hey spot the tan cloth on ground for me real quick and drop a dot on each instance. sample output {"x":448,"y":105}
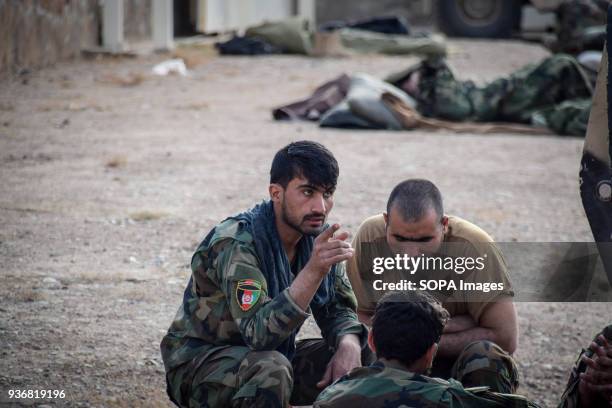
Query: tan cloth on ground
{"x":369,"y":42}
{"x":348,"y":41}
{"x":465,"y":239}
{"x":411,"y":119}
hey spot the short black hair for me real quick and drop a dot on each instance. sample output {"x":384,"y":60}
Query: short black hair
{"x":307,"y":159}
{"x":413,"y":198}
{"x":406,"y":324}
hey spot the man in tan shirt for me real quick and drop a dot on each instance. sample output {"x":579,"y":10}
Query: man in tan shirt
{"x":415,"y":225}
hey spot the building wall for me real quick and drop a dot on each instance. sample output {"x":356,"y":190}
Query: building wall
{"x":37,"y":33}
{"x":137,"y":19}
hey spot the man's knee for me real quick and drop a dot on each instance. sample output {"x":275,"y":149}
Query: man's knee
{"x":235,"y":376}
{"x":485,"y":363}
{"x":266,"y":363}
{"x":265,"y":378}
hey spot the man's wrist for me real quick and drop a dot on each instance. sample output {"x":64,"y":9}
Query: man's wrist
{"x":349,"y":340}
{"x":319,"y":273}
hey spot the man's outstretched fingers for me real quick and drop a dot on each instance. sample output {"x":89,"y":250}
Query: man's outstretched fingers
{"x":601,"y":341}
{"x":342,"y":236}
{"x":341,"y":258}
{"x":327,"y":233}
{"x":602,"y":358}
{"x":332,"y":253}
{"x":597,"y":377}
{"x":333,"y":244}
{"x":590,"y":362}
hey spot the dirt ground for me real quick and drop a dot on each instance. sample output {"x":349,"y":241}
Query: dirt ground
{"x":110,"y":177}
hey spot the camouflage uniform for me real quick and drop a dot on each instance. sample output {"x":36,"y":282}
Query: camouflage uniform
{"x":555,"y":93}
{"x":485,"y":367}
{"x":220,"y":348}
{"x":483,"y":376}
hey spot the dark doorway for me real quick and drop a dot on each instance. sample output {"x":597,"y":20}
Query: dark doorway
{"x":184,"y":18}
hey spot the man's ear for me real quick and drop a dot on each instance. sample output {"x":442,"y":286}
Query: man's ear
{"x":371,"y":342}
{"x":430,"y":354}
{"x":386,"y":217}
{"x":276,"y":192}
{"x":445,"y":223}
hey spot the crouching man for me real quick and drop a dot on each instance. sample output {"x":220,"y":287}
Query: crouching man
{"x":415,"y":225}
{"x":255,"y":278}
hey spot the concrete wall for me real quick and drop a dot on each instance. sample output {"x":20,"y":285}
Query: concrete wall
{"x":37,"y":33}
{"x":137,"y":23}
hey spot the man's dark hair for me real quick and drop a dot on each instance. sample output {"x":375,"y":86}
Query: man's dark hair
{"x":406,"y":324}
{"x":414,"y":198}
{"x":310,"y":160}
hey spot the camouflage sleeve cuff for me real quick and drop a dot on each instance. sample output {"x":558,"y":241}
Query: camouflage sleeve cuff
{"x":359,"y":329}
{"x":294,"y":305}
{"x":272,"y":323}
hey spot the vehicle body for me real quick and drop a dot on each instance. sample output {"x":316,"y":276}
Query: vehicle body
{"x":488,"y":18}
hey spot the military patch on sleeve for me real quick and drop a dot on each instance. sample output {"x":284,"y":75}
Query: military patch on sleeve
{"x":248,"y":292}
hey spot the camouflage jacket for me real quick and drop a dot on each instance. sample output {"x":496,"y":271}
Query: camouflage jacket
{"x":385,"y":384}
{"x":226,"y":303}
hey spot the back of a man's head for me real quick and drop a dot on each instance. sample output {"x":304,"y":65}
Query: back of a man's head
{"x":414,"y":198}
{"x":309,"y":160}
{"x":406,"y":325}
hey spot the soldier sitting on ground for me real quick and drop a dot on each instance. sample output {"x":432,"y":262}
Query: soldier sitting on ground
{"x":406,"y":330}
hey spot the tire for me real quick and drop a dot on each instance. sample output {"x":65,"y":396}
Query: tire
{"x":478,"y":18}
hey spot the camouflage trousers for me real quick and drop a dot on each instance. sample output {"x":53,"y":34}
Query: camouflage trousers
{"x":555,"y":93}
{"x":236,"y":376}
{"x":484,"y":363}
{"x":481,"y":363}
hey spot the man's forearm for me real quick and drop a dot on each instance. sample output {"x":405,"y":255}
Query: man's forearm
{"x":304,"y":286}
{"x":459,"y":323}
{"x":451,"y":344}
{"x":497,"y":323}
{"x":349,"y":340}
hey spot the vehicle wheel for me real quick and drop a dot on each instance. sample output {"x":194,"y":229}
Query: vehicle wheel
{"x":478,"y":18}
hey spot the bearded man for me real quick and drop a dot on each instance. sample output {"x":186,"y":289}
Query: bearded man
{"x":256,"y":277}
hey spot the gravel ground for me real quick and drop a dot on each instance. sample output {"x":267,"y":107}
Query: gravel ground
{"x":110,"y":178}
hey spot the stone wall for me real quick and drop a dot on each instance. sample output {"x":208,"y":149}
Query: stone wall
{"x":37,"y":33}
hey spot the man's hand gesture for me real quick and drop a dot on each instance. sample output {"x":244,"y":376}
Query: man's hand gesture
{"x":329,"y":250}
